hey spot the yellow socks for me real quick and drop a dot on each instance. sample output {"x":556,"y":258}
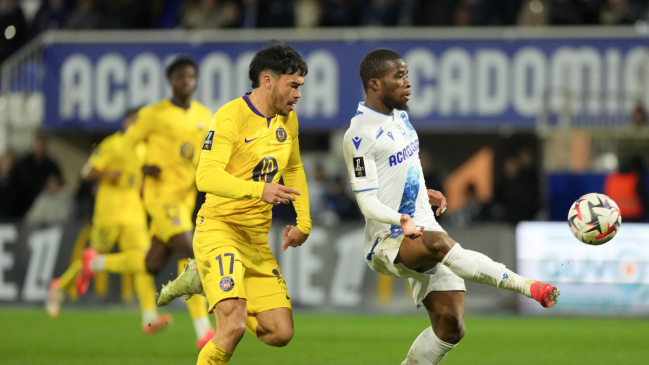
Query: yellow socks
{"x":213,"y":355}
{"x":197,"y":307}
{"x":145,"y":290}
{"x":70,"y":275}
{"x":129,"y":261}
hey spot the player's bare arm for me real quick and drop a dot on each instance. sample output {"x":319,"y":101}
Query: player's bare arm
{"x":436,"y":198}
{"x":151,"y":170}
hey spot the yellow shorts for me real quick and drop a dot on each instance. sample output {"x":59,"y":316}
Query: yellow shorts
{"x":129,"y":237}
{"x":169,"y":219}
{"x":230,"y":268}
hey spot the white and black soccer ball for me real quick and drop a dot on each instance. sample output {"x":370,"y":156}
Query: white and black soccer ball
{"x":594,"y":219}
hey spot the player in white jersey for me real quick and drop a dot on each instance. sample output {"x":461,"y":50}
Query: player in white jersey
{"x":402,"y":237}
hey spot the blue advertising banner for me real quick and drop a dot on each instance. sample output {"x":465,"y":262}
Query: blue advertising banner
{"x":457,"y":83}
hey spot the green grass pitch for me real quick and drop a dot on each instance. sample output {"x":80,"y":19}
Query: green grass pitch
{"x":92,"y":337}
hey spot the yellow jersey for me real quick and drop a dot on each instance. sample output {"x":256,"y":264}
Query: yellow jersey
{"x":174,"y":137}
{"x":244,"y":150}
{"x":118,"y":202}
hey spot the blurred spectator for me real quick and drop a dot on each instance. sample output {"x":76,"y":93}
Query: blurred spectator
{"x":13,"y":27}
{"x":616,"y":12}
{"x":514,"y":200}
{"x":341,"y":13}
{"x":381,"y":13}
{"x":433,"y":176}
{"x":85,"y":16}
{"x":463,"y":16}
{"x":307,"y":13}
{"x":166,"y":13}
{"x":250,"y":14}
{"x":53,"y":14}
{"x":29,"y":176}
{"x":128,"y":14}
{"x":406,"y":12}
{"x":565,"y":12}
{"x":471,"y":212}
{"x":52,"y":206}
{"x":7,"y":164}
{"x":534,"y":13}
{"x":338,"y":206}
{"x":436,"y":12}
{"x":496,"y":12}
{"x":629,"y":189}
{"x":277,"y":14}
{"x":210,"y":14}
{"x":317,"y":191}
{"x":639,"y":116}
{"x":529,"y":179}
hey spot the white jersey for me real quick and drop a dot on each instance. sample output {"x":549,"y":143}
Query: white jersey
{"x":382,"y":152}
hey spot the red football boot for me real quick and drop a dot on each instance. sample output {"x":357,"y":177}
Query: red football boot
{"x":201,"y":342}
{"x":545,"y":294}
{"x":85,"y":275}
{"x":159,"y":324}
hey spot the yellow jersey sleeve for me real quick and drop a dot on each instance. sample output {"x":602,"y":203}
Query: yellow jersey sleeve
{"x":101,"y":156}
{"x":211,"y":176}
{"x":139,"y":130}
{"x":294,"y":177}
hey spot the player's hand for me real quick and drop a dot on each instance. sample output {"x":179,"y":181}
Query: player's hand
{"x":409,"y":228}
{"x":113,"y":175}
{"x":437,"y":199}
{"x":293,"y":237}
{"x":278,"y":194}
{"x":151,"y":170}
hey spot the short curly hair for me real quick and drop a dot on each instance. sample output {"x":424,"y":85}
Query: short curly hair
{"x":375,"y":63}
{"x":278,"y":57}
{"x":179,"y":62}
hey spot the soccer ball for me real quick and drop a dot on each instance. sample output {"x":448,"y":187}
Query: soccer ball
{"x":594,"y":219}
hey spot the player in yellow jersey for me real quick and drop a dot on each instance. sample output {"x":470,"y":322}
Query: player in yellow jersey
{"x":251,"y":144}
{"x":119,"y":217}
{"x":174,"y":130}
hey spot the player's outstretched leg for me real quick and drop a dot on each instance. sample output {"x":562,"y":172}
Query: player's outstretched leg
{"x":433,"y":247}
{"x":446,"y":312}
{"x":187,"y":284}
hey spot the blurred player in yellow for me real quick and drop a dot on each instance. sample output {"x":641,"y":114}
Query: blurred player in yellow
{"x":119,"y":217}
{"x":174,"y":130}
{"x":251,"y":144}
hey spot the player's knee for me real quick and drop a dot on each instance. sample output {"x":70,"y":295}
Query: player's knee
{"x":152,"y":266}
{"x":234,"y":329}
{"x":440,"y":244}
{"x":452,"y":328}
{"x":281,"y":338}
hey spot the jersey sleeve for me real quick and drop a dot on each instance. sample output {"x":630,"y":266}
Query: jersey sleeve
{"x":217,"y":149}
{"x":294,"y":177}
{"x":359,"y":158}
{"x":139,"y":130}
{"x":100,"y":157}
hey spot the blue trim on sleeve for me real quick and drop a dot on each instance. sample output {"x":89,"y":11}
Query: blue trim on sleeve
{"x":357,"y":191}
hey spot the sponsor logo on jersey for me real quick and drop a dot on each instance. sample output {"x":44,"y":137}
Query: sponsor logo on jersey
{"x":403,"y":131}
{"x":505,"y":276}
{"x":209,"y":140}
{"x":357,"y":142}
{"x":359,"y":167}
{"x":187,"y":150}
{"x":358,"y":112}
{"x":227,"y":283}
{"x":379,"y":133}
{"x":249,"y":140}
{"x":280,"y":279}
{"x":406,"y":120}
{"x":281,"y":134}
{"x":389,"y":133}
{"x":403,"y":155}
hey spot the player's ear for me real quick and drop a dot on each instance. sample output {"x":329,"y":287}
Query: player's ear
{"x":267,"y":80}
{"x":375,"y":84}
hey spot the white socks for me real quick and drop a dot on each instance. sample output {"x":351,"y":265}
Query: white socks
{"x":476,"y":267}
{"x":201,"y":326}
{"x":98,"y":264}
{"x":149,"y":316}
{"x":427,"y":349}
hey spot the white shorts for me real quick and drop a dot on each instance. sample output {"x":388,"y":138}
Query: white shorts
{"x":439,"y":278}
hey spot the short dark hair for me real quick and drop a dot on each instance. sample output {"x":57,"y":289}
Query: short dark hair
{"x":131,"y":111}
{"x":179,"y":62}
{"x":375,"y":63}
{"x":277,"y":57}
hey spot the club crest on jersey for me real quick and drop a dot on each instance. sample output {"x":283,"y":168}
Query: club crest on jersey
{"x":389,"y":133}
{"x":209,"y":140}
{"x":187,"y":150}
{"x":357,"y":142}
{"x":359,"y":167}
{"x":227,"y":283}
{"x":379,"y":133}
{"x":281,"y":134}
